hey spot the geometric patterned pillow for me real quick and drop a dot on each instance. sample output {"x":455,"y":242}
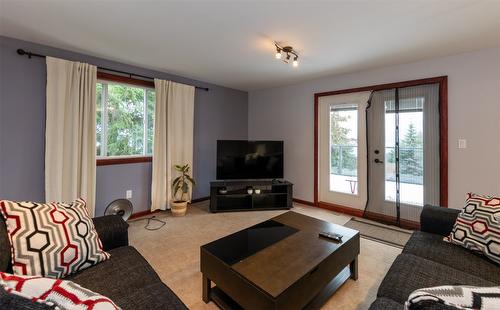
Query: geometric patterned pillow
{"x":51,"y":239}
{"x":62,"y":294}
{"x":477,"y":226}
{"x":460,"y":297}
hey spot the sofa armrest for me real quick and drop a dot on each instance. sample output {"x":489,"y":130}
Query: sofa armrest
{"x":112,"y":230}
{"x":438,"y":220}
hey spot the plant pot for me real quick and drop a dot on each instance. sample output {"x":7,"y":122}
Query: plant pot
{"x":178,"y":208}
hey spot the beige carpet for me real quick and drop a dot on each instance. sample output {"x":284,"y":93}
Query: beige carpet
{"x":174,"y":252}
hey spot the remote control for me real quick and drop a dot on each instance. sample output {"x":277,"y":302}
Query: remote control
{"x":332,"y":236}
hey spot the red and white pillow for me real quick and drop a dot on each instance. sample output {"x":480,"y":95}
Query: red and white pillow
{"x":55,"y":292}
{"x":477,"y":227}
{"x":51,"y":239}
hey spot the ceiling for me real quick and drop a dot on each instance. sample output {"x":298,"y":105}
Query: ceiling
{"x":230,"y":43}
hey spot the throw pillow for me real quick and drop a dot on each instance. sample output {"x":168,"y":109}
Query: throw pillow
{"x":51,"y":239}
{"x":55,"y":292}
{"x":460,"y":297}
{"x":478,"y":226}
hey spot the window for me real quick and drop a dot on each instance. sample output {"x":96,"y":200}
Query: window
{"x":344,"y":149}
{"x":124,"y":120}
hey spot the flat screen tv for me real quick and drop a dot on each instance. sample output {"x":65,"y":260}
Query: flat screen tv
{"x":241,"y":159}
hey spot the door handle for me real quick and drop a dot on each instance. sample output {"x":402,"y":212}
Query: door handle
{"x":378,"y":161}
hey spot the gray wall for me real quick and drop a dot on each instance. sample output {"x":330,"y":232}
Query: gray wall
{"x":221,"y":113}
{"x":474,"y":109}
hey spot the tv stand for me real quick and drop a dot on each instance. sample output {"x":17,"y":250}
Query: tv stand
{"x":274,"y":195}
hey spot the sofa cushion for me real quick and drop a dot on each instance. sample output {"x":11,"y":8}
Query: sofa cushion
{"x":128,"y":280}
{"x":51,"y":239}
{"x":432,"y":247}
{"x":478,"y":226}
{"x":409,"y":273}
{"x":383,"y":303}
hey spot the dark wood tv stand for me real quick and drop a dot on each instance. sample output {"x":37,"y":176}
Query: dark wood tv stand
{"x":273,"y":195}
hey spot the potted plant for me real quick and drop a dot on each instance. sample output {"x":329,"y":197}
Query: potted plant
{"x":180,"y":185}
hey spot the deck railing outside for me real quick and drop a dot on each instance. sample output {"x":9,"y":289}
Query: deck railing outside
{"x":344,"y":163}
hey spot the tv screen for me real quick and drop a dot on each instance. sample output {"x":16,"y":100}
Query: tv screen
{"x":241,"y":159}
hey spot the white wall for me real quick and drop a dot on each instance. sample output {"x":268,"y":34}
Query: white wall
{"x":473,"y":111}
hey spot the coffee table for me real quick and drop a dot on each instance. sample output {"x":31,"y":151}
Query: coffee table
{"x":281,"y":263}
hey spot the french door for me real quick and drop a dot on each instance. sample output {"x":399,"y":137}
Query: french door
{"x":379,"y":151}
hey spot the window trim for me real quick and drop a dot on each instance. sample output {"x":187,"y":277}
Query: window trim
{"x":123,"y":160}
{"x":130,"y":159}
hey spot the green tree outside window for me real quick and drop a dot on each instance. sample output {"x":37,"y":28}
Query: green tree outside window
{"x":128,"y":125}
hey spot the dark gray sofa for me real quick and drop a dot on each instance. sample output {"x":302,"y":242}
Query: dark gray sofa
{"x":126,"y":278}
{"x":428,"y":261}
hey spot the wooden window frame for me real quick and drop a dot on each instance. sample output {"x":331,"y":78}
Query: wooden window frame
{"x":125,"y":159}
{"x":443,"y":133}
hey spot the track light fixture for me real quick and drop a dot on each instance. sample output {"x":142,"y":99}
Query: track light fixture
{"x":285,"y":53}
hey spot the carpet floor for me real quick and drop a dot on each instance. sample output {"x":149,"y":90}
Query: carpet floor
{"x":174,"y":252}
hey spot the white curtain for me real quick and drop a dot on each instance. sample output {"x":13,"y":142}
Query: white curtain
{"x":70,"y":153}
{"x":173,"y":137}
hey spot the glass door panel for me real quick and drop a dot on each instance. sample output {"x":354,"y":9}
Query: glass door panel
{"x":344,"y":149}
{"x":411,"y":164}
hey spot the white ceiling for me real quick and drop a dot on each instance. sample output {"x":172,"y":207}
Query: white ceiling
{"x":231,"y":42}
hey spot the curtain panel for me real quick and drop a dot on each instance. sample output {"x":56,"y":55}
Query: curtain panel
{"x":70,"y":153}
{"x":173,"y":138}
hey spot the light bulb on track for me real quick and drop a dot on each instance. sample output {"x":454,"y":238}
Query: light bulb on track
{"x":278,"y":53}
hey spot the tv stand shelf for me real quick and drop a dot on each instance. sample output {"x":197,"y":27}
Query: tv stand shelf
{"x":274,"y":195}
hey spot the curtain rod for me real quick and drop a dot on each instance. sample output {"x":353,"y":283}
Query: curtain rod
{"x":30,"y":54}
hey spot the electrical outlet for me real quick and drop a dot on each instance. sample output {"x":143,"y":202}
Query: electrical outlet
{"x":462,"y":143}
{"x":128,"y":194}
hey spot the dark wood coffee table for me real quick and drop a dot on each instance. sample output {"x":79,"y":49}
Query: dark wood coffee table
{"x":281,"y":263}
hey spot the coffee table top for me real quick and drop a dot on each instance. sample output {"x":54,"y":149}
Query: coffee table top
{"x":276,"y":253}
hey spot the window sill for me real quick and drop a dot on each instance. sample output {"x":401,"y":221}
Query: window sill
{"x":123,"y":160}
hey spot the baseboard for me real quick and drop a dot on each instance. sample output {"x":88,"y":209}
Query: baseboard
{"x":340,"y":209}
{"x":200,"y":199}
{"x":147,"y":212}
{"x":304,"y":202}
{"x":331,"y":207}
{"x":142,"y":213}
